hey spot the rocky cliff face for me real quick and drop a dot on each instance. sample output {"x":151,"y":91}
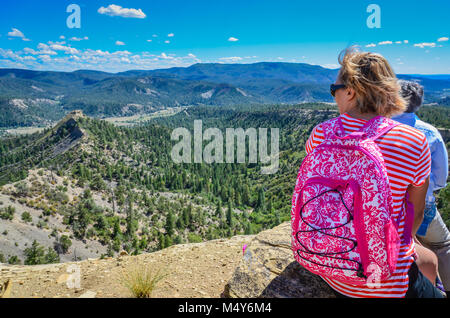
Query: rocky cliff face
{"x":268,"y":269}
{"x":217,"y":268}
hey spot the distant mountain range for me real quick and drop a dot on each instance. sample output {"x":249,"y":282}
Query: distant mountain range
{"x":38,"y":97}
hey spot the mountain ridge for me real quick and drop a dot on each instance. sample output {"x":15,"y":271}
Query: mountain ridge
{"x":29,"y":97}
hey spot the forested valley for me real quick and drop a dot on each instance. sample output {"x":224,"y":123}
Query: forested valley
{"x":107,"y":189}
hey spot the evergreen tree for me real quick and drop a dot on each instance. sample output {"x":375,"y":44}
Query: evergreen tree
{"x":248,"y":229}
{"x":230,"y":215}
{"x":180,"y":223}
{"x":34,"y":254}
{"x":168,"y":241}
{"x":51,"y":256}
{"x":170,"y":224}
{"x":260,"y":204}
{"x":246,"y":195}
{"x":130,"y":219}
{"x":161,"y":241}
{"x":187,"y":214}
{"x":116,"y":234}
{"x":218,"y":212}
{"x":64,"y":243}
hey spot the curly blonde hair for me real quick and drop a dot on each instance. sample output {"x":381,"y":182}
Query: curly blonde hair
{"x":374,"y":82}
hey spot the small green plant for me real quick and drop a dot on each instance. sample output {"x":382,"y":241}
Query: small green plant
{"x":7,"y":213}
{"x":26,"y":216}
{"x":14,"y":260}
{"x":141,"y":280}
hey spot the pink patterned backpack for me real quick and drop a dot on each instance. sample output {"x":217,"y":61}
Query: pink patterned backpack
{"x":341,"y":216}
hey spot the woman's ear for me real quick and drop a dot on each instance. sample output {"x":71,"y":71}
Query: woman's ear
{"x":351,"y":94}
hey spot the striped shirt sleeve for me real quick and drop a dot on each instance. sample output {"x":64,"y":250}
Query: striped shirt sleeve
{"x":314,"y":139}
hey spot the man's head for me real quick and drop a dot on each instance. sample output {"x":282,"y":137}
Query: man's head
{"x":412,"y":92}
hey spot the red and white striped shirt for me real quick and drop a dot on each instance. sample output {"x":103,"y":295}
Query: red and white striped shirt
{"x":408,"y":161}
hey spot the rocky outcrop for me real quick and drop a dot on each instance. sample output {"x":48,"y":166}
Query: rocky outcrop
{"x":70,"y":132}
{"x":194,"y":270}
{"x":268,"y":269}
{"x":202,"y":270}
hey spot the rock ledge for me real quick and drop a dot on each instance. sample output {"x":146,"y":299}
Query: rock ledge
{"x":268,"y":269}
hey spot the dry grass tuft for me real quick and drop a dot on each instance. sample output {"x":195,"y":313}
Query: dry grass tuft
{"x":141,"y":280}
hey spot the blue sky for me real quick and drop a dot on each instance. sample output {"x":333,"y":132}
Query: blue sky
{"x":121,"y":35}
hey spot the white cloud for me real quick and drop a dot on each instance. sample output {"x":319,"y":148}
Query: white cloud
{"x":443,"y":39}
{"x":398,"y":42}
{"x":193,"y":58}
{"x":385,"y":43}
{"x":405,"y":41}
{"x":167,"y":41}
{"x":330,"y":66}
{"x":45,"y":58}
{"x":117,"y":11}
{"x":126,"y":53}
{"x":232,"y":39}
{"x":371,"y":45}
{"x":43,"y":46}
{"x":423,"y":45}
{"x":149,"y":40}
{"x":9,"y":54}
{"x":79,"y":39}
{"x":62,"y":37}
{"x":29,"y":58}
{"x":170,"y":35}
{"x":59,"y":43}
{"x":231,"y":59}
{"x":65,"y":49}
{"x":45,"y":51}
{"x":119,"y":43}
{"x":16,"y":33}
{"x":166,"y":57}
{"x":27,"y":50}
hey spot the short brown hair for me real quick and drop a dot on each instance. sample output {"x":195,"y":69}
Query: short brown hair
{"x":373,"y":80}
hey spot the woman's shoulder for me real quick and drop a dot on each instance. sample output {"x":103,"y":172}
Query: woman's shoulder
{"x":412,"y":134}
{"x":332,"y":121}
{"x":431,"y":132}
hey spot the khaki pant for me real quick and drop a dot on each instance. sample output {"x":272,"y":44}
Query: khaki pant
{"x":437,"y":239}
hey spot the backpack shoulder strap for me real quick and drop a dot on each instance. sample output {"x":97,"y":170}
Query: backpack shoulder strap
{"x":332,"y":128}
{"x":378,"y":126}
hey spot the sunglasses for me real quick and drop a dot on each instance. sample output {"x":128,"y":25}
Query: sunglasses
{"x":334,"y":88}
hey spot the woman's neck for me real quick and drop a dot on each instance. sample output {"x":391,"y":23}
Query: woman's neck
{"x":356,"y":114}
